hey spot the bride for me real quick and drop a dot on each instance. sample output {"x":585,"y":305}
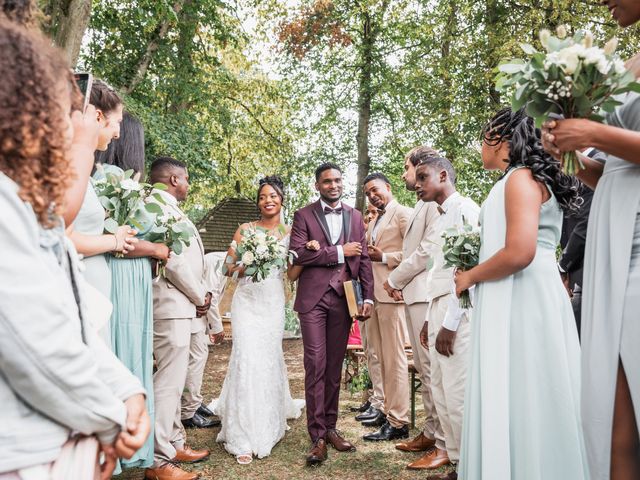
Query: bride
{"x":255,"y":402}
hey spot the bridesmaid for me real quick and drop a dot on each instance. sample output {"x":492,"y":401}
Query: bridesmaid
{"x":522,"y":416}
{"x":87,"y":230}
{"x":611,"y":294}
{"x":131,"y":287}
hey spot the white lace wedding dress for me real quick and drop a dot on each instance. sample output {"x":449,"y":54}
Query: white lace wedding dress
{"x":255,"y":402}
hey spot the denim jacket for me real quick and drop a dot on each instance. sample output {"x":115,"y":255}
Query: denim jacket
{"x":56,"y":375}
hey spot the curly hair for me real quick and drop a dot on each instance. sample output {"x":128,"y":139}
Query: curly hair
{"x":274,"y":182}
{"x":33,"y":136}
{"x":22,"y":12}
{"x":525,"y":149}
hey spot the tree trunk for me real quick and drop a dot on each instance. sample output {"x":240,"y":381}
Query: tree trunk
{"x":67,"y":22}
{"x":152,"y":47}
{"x":364,"y":108}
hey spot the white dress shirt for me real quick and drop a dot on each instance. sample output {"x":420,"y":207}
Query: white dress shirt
{"x":334,"y":222}
{"x":374,"y":234}
{"x":455,"y":211}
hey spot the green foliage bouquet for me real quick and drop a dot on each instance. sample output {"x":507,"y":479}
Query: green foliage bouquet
{"x":461,"y":250}
{"x":259,"y":252}
{"x":573,"y":78}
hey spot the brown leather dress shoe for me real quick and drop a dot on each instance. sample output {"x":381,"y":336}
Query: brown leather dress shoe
{"x":188,"y":455}
{"x":433,"y":459}
{"x":418,"y":444}
{"x":444,"y":476}
{"x":169,"y":472}
{"x":338,"y":442}
{"x":317,"y":454}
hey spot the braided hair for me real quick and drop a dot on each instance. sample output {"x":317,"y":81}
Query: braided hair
{"x":275,"y":182}
{"x":525,"y":150}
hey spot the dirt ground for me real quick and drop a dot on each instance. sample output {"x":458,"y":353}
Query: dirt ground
{"x":371,"y":461}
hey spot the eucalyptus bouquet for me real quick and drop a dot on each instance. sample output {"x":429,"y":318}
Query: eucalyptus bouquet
{"x":259,"y":252}
{"x":125,"y":198}
{"x":572,"y":78}
{"x":461,"y":250}
{"x":176,"y":233}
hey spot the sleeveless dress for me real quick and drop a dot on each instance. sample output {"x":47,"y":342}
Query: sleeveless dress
{"x":90,"y":221}
{"x":255,"y":402}
{"x":611,"y":295}
{"x":522,"y":416}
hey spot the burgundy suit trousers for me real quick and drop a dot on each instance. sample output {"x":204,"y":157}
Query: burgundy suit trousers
{"x":325,"y":331}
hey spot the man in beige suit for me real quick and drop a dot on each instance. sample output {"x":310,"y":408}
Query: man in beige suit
{"x":194,"y":413}
{"x":180,"y":298}
{"x":386,"y":329}
{"x":408,"y":282}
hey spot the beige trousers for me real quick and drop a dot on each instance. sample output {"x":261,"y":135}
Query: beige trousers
{"x":374,"y":367}
{"x":198,"y":354}
{"x":416,"y":315}
{"x":171,"y":342}
{"x":448,"y":377}
{"x":387,"y":331}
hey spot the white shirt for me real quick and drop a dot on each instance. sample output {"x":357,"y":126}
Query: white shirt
{"x":376,"y":228}
{"x":457,"y":210}
{"x":334,"y":222}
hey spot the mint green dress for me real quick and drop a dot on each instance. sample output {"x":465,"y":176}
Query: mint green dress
{"x":522,"y":400}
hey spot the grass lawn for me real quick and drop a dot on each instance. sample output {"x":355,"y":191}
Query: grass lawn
{"x":371,"y":461}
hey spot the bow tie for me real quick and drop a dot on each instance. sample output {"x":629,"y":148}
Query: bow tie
{"x":329,"y":210}
{"x":381,"y":212}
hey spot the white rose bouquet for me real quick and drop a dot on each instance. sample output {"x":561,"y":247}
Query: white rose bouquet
{"x":573,"y":78}
{"x":461,"y":250}
{"x":259,"y":252}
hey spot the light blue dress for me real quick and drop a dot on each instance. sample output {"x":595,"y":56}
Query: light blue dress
{"x":90,"y":221}
{"x":611,"y":295}
{"x":522,"y":415}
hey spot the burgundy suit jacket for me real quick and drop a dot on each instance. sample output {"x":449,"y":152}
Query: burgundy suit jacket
{"x":309,"y":223}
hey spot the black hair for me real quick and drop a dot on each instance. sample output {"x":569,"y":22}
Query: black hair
{"x":417,"y":154}
{"x":126,"y":152}
{"x":376,"y":176}
{"x":525,"y":149}
{"x":161,"y":166}
{"x":326,"y":166}
{"x":104,"y":97}
{"x":275,"y":182}
{"x":440,"y":163}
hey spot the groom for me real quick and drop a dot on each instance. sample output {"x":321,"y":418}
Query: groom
{"x":321,"y":304}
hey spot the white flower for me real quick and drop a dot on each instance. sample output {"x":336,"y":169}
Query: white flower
{"x":611,"y":46}
{"x":561,"y":31}
{"x":545,"y":35}
{"x":261,"y":251}
{"x":570,"y":57}
{"x":248,"y":258}
{"x":603,"y":66}
{"x":130,"y":184}
{"x":593,"y":55}
{"x":619,"y":67}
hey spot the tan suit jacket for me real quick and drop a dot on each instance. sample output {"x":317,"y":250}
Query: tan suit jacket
{"x":184,"y":287}
{"x":392,"y":227}
{"x":411,"y":275}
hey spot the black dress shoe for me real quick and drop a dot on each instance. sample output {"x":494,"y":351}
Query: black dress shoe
{"x":376,"y":421}
{"x":362,"y":408}
{"x":387,"y":432}
{"x":368,"y":414}
{"x":204,"y":411}
{"x":198,"y":421}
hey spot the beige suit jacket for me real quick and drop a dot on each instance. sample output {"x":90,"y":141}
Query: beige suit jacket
{"x":184,"y":287}
{"x":391,"y":230}
{"x":411,"y":275}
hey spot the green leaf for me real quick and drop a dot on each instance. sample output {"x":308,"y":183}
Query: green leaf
{"x":111,"y":226}
{"x":153,"y":208}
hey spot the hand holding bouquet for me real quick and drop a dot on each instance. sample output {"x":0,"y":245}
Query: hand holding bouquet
{"x":461,"y":250}
{"x":259,"y":252}
{"x":572,"y":79}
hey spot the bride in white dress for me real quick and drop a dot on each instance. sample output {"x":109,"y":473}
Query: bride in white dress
{"x":255,"y":402}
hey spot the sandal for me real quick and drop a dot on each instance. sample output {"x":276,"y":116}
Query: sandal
{"x":244,"y":459}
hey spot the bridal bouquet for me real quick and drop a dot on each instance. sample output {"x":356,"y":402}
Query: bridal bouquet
{"x":259,"y":252}
{"x":462,"y":251}
{"x":572,"y":78}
